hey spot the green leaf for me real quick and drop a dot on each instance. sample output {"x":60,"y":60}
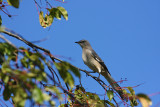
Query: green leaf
{"x":5,"y":79}
{"x":63,"y":105}
{"x":63,"y":68}
{"x":132,"y":97}
{"x":144,"y":99}
{"x":6,"y":68}
{"x":111,"y":104}
{"x":110,"y":94}
{"x":14,"y":3}
{"x":0,"y":21}
{"x":31,"y":75}
{"x":54,"y":12}
{"x":75,"y":71}
{"x":24,"y":62}
{"x":57,"y":12}
{"x":69,"y":80}
{"x":2,"y":28}
{"x":37,"y":95}
{"x":6,"y":93}
{"x":131,"y":90}
{"x":52,"y":103}
{"x":63,"y":12}
{"x":46,"y":97}
{"x":19,"y":97}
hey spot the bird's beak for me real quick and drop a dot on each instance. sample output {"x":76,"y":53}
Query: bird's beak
{"x":77,"y":42}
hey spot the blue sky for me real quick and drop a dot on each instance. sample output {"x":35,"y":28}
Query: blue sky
{"x":125,"y":34}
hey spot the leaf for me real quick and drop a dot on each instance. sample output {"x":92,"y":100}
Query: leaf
{"x":131,"y":90}
{"x":37,"y":95}
{"x":111,"y":104}
{"x":5,"y":78}
{"x":75,"y":71}
{"x":46,"y":97}
{"x":14,"y":3}
{"x":63,"y":68}
{"x":110,"y":94}
{"x":52,"y":103}
{"x":6,"y":93}
{"x":54,"y":12}
{"x":24,"y":62}
{"x":2,"y":28}
{"x":57,"y":12}
{"x":6,"y":68}
{"x":19,"y":97}
{"x":144,"y":99}
{"x":132,"y":97}
{"x":63,"y":12}
{"x":45,"y":21}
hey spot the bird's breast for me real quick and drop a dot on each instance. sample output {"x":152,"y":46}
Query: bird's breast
{"x":90,"y":61}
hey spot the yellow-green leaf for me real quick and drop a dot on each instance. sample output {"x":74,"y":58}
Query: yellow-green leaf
{"x":75,"y":71}
{"x":110,"y":94}
{"x":14,"y":3}
{"x":37,"y":95}
{"x":111,"y":104}
{"x":131,"y":90}
{"x":63,"y":12}
{"x":45,"y":21}
{"x":144,"y":99}
{"x":63,"y":68}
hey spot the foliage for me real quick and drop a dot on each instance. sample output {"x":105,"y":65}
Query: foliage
{"x":45,"y":20}
{"x":14,"y":3}
{"x":54,"y":13}
{"x":144,"y":99}
{"x":34,"y":74}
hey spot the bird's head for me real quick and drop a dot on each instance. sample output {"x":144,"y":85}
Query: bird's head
{"x":84,"y":43}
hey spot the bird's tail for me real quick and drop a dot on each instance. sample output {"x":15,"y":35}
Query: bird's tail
{"x":114,"y":85}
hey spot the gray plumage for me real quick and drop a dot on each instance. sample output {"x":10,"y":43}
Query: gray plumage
{"x":94,"y":62}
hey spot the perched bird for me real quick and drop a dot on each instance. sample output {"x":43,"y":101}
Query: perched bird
{"x":95,"y":63}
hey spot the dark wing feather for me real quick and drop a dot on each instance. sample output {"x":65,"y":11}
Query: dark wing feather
{"x":97,"y":58}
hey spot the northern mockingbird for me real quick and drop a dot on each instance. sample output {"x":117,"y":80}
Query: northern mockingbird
{"x":95,"y":63}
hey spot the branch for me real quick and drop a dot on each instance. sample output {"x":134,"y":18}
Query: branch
{"x":51,"y":56}
{"x":104,"y":86}
{"x":2,"y":37}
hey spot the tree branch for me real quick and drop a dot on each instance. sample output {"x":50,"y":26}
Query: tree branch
{"x":104,"y":86}
{"x":9,"y":42}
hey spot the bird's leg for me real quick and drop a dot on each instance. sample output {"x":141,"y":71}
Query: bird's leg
{"x":98,"y":76}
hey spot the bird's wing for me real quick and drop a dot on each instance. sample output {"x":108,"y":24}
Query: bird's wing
{"x":98,"y":59}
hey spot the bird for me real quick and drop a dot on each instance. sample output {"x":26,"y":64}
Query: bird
{"x":95,"y":63}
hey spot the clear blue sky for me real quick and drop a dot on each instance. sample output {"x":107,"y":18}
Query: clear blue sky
{"x":125,"y":34}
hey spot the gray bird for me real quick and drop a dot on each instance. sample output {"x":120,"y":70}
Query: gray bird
{"x":95,"y":63}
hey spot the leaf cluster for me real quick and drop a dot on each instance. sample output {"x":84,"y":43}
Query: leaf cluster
{"x":45,"y":20}
{"x":19,"y":71}
{"x":53,"y":13}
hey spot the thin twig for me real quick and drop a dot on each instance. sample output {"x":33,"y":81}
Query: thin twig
{"x":9,"y":42}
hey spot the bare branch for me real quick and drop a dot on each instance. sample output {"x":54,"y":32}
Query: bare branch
{"x":9,"y":42}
